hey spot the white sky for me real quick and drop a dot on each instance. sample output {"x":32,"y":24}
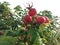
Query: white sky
{"x":51,"y":5}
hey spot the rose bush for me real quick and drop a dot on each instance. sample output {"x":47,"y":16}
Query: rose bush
{"x":26,"y":27}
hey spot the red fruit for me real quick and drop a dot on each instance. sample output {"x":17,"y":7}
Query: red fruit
{"x":40,"y":19}
{"x":27,"y":19}
{"x":1,"y":33}
{"x":46,"y":19}
{"x":32,"y":12}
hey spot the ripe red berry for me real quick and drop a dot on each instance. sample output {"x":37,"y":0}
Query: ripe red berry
{"x":40,"y":19}
{"x":32,"y":12}
{"x":27,"y":19}
{"x":46,"y":19}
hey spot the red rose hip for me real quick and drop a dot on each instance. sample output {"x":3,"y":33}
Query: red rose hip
{"x":27,"y":19}
{"x":40,"y":19}
{"x":46,"y":19}
{"x":32,"y":12}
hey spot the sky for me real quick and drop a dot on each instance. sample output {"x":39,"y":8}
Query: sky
{"x":40,"y":5}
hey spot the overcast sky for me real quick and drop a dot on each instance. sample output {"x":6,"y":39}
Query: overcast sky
{"x":51,"y":5}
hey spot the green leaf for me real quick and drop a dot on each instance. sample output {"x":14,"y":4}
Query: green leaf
{"x":7,"y":40}
{"x":38,"y":41}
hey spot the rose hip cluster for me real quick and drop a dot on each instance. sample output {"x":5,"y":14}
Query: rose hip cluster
{"x":33,"y":17}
